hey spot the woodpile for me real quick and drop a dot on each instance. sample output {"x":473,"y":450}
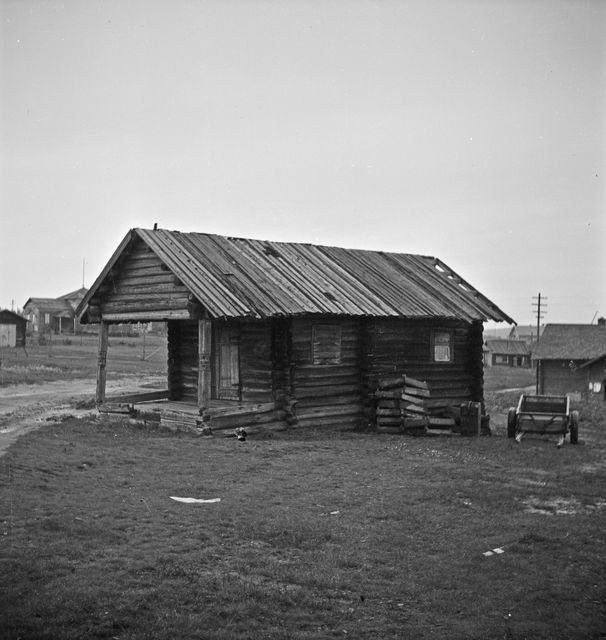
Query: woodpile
{"x":400,"y":405}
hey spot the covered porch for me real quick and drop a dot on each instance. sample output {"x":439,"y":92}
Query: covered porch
{"x":205,"y":390}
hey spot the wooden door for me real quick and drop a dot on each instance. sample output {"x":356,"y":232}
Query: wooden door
{"x":227,"y":365}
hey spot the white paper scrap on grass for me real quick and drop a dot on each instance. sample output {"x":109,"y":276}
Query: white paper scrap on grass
{"x":195,"y":500}
{"x":493,"y":552}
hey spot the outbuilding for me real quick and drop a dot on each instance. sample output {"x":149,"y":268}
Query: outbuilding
{"x":509,"y":353}
{"x":292,"y":333}
{"x":571,"y":359}
{"x":12,"y":329}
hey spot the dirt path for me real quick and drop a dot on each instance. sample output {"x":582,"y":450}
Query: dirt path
{"x":27,"y":407}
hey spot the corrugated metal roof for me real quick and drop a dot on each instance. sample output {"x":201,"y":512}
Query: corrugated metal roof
{"x":238,"y":277}
{"x":571,"y":342}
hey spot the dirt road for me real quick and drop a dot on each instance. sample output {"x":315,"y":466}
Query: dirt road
{"x":29,"y":406}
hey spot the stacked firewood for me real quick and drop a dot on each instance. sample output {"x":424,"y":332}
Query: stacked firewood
{"x":400,"y":405}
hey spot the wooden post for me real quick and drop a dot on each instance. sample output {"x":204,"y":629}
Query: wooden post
{"x":102,"y":363}
{"x":204,"y":341}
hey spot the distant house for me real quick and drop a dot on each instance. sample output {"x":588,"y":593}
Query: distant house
{"x":12,"y":329}
{"x":526,"y":333}
{"x":571,"y":358}
{"x":509,"y":353}
{"x":54,"y":315}
{"x":296,"y":332}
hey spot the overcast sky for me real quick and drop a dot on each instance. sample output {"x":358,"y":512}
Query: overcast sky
{"x":473,"y":131}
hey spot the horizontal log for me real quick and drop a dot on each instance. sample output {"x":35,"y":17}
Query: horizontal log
{"x":233,"y":410}
{"x":313,"y":401}
{"x":326,"y":390}
{"x":140,"y":397}
{"x":146,"y":316}
{"x":347,"y":410}
{"x":171,"y":302}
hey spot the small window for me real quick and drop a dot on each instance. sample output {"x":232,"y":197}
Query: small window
{"x":441,"y":346}
{"x":326,"y":344}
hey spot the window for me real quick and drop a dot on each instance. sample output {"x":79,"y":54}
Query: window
{"x":326,"y":344}
{"x":441,"y":346}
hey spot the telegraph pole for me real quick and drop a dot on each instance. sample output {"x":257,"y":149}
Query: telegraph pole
{"x":538,"y":306}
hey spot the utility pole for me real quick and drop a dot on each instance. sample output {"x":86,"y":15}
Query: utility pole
{"x":538,"y":306}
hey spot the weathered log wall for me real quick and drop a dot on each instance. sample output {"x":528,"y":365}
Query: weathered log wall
{"x":330,"y":393}
{"x":255,"y":348}
{"x":139,"y":283}
{"x":396,"y":347}
{"x":256,"y":361}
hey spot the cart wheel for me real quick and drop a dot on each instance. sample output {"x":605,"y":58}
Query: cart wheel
{"x":511,"y":423}
{"x":574,"y":427}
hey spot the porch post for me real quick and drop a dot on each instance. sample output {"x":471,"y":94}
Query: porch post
{"x":204,"y":340}
{"x":102,"y":363}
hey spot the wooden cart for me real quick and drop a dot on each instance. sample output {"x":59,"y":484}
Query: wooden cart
{"x":544,"y":415}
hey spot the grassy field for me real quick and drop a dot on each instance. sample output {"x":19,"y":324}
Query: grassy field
{"x":317,"y":535}
{"x":69,"y":357}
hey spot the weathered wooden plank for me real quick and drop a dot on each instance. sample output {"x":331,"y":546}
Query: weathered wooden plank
{"x":412,"y":382}
{"x":102,"y":363}
{"x":412,"y":399}
{"x":141,"y":316}
{"x":140,"y":397}
{"x":204,"y":369}
{"x":414,"y":408}
{"x":412,"y":391}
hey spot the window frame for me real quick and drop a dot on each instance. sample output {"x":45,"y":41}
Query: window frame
{"x":449,"y":344}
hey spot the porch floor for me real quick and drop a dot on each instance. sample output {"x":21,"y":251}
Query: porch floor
{"x":185,"y":415}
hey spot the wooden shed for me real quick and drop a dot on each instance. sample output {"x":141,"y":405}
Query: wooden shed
{"x":292,"y":333}
{"x":571,"y":359}
{"x":12,"y":329}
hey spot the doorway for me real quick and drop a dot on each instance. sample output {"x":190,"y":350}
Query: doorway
{"x":227,"y":363}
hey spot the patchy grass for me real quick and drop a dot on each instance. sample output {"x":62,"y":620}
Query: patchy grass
{"x":317,"y":535}
{"x":501,"y":377}
{"x":76,"y":357}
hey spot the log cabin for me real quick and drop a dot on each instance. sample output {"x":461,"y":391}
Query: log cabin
{"x":282,"y":333}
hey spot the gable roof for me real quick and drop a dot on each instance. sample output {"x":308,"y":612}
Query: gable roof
{"x":54,"y":306}
{"x":238,"y":277}
{"x":508,"y":347}
{"x":571,"y":342}
{"x":74,"y":295}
